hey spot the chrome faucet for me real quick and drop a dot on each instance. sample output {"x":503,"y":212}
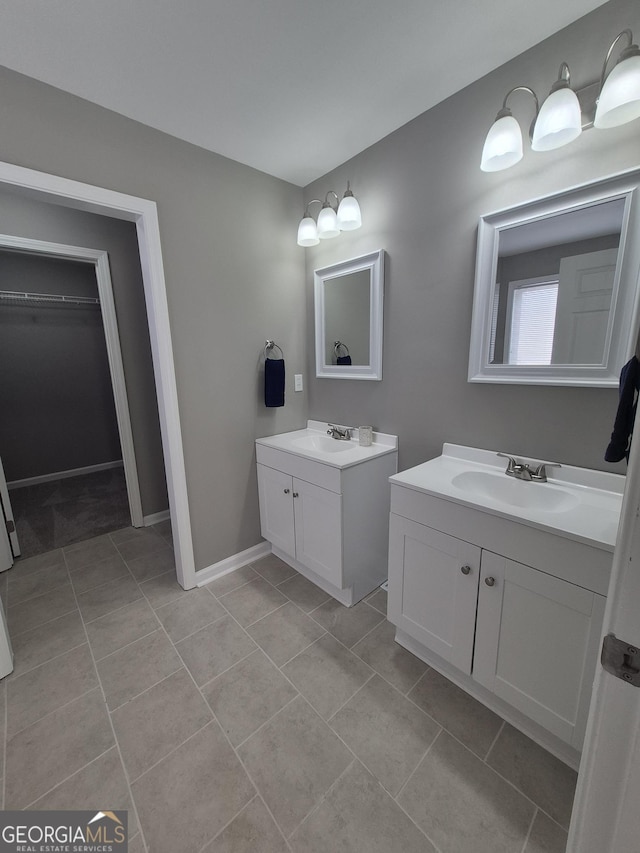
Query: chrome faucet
{"x":339,"y":433}
{"x":523,"y":471}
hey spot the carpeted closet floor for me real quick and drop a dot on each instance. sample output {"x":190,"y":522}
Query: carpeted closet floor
{"x":62,"y":512}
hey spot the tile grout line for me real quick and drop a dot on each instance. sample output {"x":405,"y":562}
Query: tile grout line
{"x":322,"y":799}
{"x":217,"y":722}
{"x":59,"y":708}
{"x":494,"y":741}
{"x":70,"y":776}
{"x":530,"y":830}
{"x":411,"y":775}
{"x":11,"y":678}
{"x":126,"y":646}
{"x":113,"y":731}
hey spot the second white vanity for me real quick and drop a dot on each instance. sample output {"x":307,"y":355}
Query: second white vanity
{"x":324,"y":506}
{"x":500,"y":584}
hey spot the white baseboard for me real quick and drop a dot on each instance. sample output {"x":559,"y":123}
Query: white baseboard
{"x":230,"y":564}
{"x":156,"y":517}
{"x":63,"y":475}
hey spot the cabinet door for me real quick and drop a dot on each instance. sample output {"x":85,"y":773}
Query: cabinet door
{"x":537,"y":644}
{"x":318,"y":530}
{"x":275,"y":491}
{"x":433,"y":589}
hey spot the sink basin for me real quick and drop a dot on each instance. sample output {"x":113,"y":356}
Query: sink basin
{"x":323,"y":444}
{"x":513,"y":492}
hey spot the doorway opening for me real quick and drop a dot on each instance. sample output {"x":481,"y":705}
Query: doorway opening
{"x":142,"y":212}
{"x":67,"y":437}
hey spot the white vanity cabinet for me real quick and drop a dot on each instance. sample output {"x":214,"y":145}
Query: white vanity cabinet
{"x":510,"y":611}
{"x":302,"y":520}
{"x":326,"y":513}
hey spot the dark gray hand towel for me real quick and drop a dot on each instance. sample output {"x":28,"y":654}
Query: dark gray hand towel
{"x":618,"y":448}
{"x":274,"y":382}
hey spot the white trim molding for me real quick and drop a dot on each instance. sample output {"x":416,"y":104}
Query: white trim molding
{"x":230,"y":564}
{"x":63,"y":475}
{"x":156,"y":518}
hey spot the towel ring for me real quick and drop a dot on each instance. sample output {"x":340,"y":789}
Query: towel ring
{"x":336,"y":347}
{"x":271,"y":345}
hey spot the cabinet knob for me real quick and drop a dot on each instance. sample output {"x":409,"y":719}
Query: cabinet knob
{"x":295,"y":494}
{"x":490,"y":581}
{"x":286,"y":491}
{"x":466,"y":570}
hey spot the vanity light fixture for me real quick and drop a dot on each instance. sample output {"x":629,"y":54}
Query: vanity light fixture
{"x":332,"y":219}
{"x":619,"y":100}
{"x":566,"y":113}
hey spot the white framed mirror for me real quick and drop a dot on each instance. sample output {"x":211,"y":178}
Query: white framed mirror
{"x":556,"y":287}
{"x":349,"y":299}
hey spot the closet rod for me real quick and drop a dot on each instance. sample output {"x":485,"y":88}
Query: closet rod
{"x":52,"y":298}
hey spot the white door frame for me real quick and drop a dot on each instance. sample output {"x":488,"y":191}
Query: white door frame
{"x":144,"y":213}
{"x":9,"y":544}
{"x":100,"y":260}
{"x":605,"y":814}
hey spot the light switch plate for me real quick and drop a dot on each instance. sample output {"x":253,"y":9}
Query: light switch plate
{"x":297,"y":382}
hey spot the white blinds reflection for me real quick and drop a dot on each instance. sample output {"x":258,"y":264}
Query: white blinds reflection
{"x":532,"y":323}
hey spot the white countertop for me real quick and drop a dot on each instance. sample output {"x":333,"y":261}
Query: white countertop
{"x":344,"y":455}
{"x":590,"y":500}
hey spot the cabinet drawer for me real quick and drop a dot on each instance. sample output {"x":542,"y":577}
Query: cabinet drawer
{"x":569,"y":559}
{"x":322,"y":475}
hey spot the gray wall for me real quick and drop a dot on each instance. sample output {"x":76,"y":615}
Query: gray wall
{"x":24,"y":217}
{"x":57,"y":402}
{"x":421,"y":192}
{"x":234,"y":274}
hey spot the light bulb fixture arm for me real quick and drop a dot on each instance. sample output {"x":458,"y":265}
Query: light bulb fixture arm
{"x":564,"y":78}
{"x":505,"y":111}
{"x":327,"y":203}
{"x":309,"y":203}
{"x":629,"y":36}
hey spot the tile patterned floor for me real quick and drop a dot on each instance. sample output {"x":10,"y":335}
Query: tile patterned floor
{"x":254,"y":715}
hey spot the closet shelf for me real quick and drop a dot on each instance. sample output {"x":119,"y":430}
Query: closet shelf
{"x":12,"y":297}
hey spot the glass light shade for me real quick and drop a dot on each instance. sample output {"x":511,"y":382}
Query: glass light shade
{"x":503,"y":145}
{"x":307,"y":232}
{"x":619,"y":101}
{"x":559,"y":121}
{"x":327,"y":223}
{"x":349,"y":216}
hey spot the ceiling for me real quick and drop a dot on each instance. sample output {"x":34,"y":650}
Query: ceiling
{"x":291,"y":87}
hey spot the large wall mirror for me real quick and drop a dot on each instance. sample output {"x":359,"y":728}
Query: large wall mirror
{"x":556,"y":289}
{"x":349,"y":300}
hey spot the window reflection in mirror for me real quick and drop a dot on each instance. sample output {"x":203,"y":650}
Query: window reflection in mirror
{"x":554,"y":287}
{"x":347,"y":309}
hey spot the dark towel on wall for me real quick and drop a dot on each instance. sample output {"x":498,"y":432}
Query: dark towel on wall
{"x":343,"y":359}
{"x":618,"y":448}
{"x":274,"y":382}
